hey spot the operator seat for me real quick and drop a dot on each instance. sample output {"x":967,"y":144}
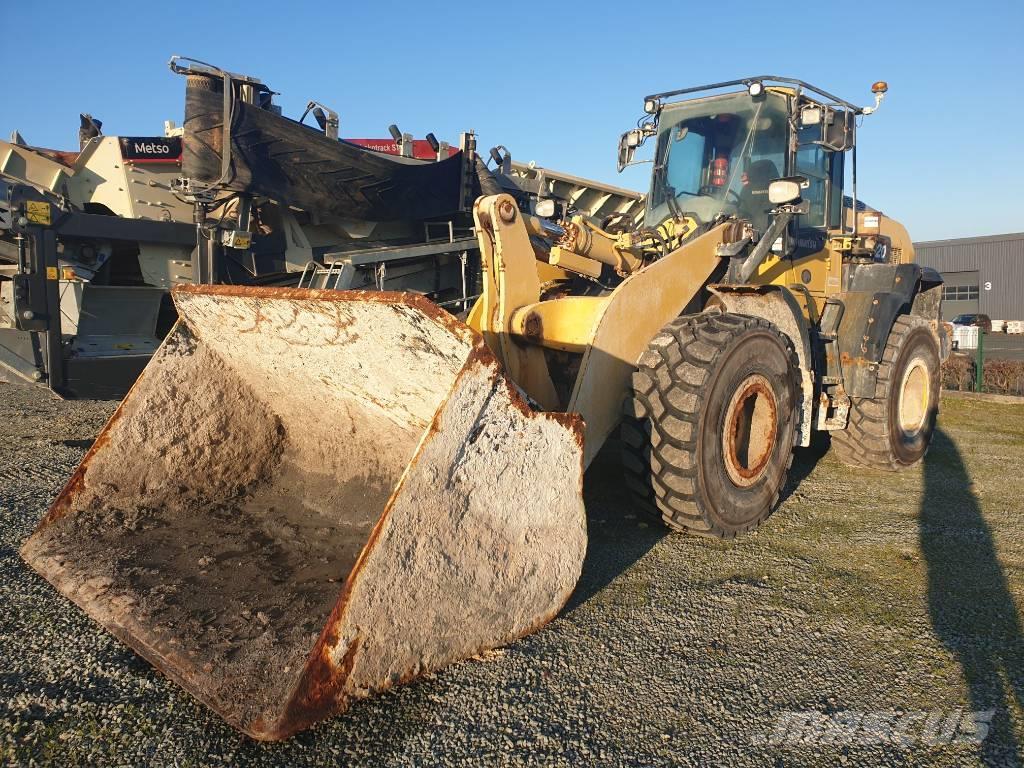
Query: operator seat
{"x":753,"y":203}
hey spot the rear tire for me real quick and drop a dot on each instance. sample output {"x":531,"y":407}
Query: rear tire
{"x":893,"y":429}
{"x":708,"y":430}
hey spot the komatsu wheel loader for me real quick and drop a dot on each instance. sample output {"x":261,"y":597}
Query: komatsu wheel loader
{"x":310,"y":496}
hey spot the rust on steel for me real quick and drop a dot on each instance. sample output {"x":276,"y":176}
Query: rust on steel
{"x":755,"y":389}
{"x":217,"y":439}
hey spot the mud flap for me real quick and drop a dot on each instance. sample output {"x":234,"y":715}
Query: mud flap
{"x":311,"y":496}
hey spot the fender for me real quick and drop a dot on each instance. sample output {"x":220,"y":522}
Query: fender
{"x":777,"y":304}
{"x":876,"y":295}
{"x":928,"y":304}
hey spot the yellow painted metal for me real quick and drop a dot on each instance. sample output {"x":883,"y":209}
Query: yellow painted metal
{"x":811,"y":278}
{"x":585,"y":246}
{"x":614,"y":250}
{"x":38,"y":212}
{"x":473,"y":319}
{"x":815,"y":277}
{"x":566,"y":323}
{"x":634,"y":313}
{"x":675,"y":231}
{"x":611,"y":331}
{"x":510,"y":281}
{"x":871,"y":222}
{"x":560,"y":257}
{"x":550,"y":273}
{"x":899,"y":238}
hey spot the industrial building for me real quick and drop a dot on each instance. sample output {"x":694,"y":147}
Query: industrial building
{"x":982,"y":274}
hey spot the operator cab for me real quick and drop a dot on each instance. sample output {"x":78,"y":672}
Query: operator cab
{"x":716,"y":155}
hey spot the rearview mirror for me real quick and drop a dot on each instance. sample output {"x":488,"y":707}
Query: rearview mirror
{"x":628,"y":143}
{"x":787,"y":190}
{"x":835,"y":128}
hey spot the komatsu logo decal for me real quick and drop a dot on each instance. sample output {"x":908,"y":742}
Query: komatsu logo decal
{"x":150,"y":149}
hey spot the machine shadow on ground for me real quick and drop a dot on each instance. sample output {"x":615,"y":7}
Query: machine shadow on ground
{"x":620,"y":535}
{"x":617,"y":534}
{"x":804,"y":462}
{"x":971,"y":608}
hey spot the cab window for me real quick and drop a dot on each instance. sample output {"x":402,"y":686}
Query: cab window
{"x":835,"y":203}
{"x":717,"y":156}
{"x":813,"y":163}
{"x":685,"y":174}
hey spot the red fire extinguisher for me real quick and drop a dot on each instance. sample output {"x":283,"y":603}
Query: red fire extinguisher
{"x":719,"y":171}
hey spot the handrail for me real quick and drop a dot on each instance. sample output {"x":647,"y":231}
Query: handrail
{"x":746,"y":81}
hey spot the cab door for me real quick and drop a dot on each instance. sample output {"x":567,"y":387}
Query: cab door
{"x":812,"y":267}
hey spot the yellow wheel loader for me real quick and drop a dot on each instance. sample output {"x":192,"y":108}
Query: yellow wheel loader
{"x":310,"y":496}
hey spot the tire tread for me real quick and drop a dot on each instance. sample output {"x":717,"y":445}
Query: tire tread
{"x":865,"y":442}
{"x":661,"y":416}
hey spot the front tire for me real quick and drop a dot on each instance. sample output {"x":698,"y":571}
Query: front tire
{"x":893,"y":429}
{"x":708,"y":430}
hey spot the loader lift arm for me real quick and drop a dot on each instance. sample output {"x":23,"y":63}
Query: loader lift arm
{"x":610,"y":331}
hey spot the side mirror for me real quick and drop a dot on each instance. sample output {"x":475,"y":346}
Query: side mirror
{"x":787,"y":190}
{"x":835,"y":126}
{"x":839,"y":131}
{"x":628,"y":143}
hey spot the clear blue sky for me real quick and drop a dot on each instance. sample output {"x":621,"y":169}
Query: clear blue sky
{"x":559,"y":81}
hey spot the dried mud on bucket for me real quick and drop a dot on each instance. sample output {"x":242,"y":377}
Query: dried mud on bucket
{"x":309,"y":498}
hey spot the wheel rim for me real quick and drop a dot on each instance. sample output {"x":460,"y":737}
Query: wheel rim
{"x":748,"y":436}
{"x":915,"y":392}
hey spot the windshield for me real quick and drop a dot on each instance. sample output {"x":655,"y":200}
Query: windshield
{"x":718,"y":155}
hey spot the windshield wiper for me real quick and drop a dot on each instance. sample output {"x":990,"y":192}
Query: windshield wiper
{"x":673,"y":202}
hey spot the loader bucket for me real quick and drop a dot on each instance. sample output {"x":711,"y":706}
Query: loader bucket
{"x":311,"y":496}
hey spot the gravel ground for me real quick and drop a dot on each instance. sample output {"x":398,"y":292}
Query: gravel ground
{"x":865,"y":592}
